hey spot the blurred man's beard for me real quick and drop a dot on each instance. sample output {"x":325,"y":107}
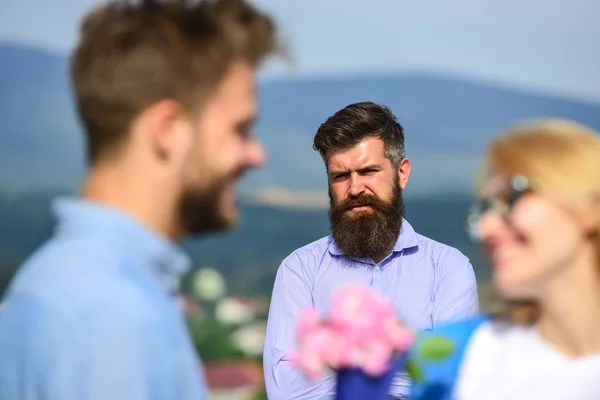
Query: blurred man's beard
{"x":201,"y":210}
{"x":367,"y":234}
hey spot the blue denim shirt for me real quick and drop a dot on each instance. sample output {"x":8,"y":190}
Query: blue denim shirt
{"x":93,"y":315}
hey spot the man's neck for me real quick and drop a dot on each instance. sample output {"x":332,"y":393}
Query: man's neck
{"x":132,"y":196}
{"x":570,"y":317}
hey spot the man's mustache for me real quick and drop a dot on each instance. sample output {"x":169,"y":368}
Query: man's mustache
{"x":357,"y":201}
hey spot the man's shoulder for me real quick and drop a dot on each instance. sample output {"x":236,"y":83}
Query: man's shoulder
{"x":310,"y":253}
{"x":62,"y":257}
{"x":69,"y":274}
{"x":439,"y":251}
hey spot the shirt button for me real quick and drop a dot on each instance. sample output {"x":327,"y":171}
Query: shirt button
{"x":377,"y":268}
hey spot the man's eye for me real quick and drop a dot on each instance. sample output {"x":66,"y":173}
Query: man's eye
{"x":245,"y":128}
{"x":244,"y":132}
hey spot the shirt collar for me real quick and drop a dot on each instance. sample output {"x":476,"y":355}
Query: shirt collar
{"x":168,"y":262}
{"x":406,"y":240}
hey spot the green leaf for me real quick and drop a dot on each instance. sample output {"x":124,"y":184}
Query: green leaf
{"x":436,"y":348}
{"x":414,"y":371}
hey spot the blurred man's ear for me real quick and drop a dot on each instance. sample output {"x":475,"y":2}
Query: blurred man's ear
{"x":160,"y":127}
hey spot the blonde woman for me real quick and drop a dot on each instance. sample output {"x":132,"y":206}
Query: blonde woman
{"x":539,"y":221}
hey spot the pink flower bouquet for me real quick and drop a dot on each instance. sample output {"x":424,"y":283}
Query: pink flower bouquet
{"x":362,"y":335}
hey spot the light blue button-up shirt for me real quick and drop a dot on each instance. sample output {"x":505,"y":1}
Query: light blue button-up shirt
{"x":92,"y":315}
{"x":426,"y":281}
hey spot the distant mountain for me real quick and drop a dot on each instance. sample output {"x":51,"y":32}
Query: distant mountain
{"x":248,"y":256}
{"x":40,"y":144}
{"x":448,"y":122}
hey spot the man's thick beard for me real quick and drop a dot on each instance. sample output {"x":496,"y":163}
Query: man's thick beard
{"x":367,"y":234}
{"x":199,"y":210}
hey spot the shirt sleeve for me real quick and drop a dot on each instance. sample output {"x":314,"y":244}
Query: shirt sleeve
{"x":455,"y":294}
{"x":292,"y":293}
{"x":49,"y":355}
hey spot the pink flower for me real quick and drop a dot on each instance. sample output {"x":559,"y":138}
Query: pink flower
{"x":319,"y":339}
{"x":334,"y":353}
{"x":373,"y":356}
{"x":355,"y":357}
{"x":354,"y":307}
{"x":378,"y":357}
{"x":308,"y":322}
{"x":318,"y":347}
{"x":399,"y":337}
{"x":310,"y":362}
{"x":362,"y":332}
{"x":383,"y":307}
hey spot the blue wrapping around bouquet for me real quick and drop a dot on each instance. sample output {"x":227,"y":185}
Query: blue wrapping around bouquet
{"x":354,"y":384}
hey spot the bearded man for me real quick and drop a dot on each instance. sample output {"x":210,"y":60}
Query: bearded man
{"x":371,"y":243}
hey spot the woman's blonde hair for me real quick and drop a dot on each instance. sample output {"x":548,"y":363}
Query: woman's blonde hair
{"x":558,"y":157}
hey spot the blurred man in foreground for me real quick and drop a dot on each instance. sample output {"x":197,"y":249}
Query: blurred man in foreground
{"x":165,"y":92}
{"x":371,"y":243}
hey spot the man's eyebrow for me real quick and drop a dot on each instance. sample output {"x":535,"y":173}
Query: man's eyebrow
{"x":370,"y":167}
{"x":337,"y":171}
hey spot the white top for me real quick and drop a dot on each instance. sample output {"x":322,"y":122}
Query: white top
{"x":503,"y":361}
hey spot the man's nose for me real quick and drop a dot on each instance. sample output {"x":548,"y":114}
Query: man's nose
{"x":356,"y":185}
{"x":255,"y":154}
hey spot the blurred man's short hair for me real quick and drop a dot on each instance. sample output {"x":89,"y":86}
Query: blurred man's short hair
{"x":132,"y":54}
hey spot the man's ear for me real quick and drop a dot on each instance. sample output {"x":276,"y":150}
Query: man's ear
{"x":403,"y":172}
{"x":158,"y":126}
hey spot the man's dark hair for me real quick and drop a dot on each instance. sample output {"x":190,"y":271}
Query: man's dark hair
{"x":132,"y":54}
{"x":356,"y":122}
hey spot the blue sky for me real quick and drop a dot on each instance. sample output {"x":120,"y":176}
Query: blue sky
{"x":546,"y":45}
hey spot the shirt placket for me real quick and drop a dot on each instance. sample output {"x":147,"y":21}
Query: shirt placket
{"x":377,"y":277}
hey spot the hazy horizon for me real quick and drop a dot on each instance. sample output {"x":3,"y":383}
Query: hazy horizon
{"x":545,"y":46}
